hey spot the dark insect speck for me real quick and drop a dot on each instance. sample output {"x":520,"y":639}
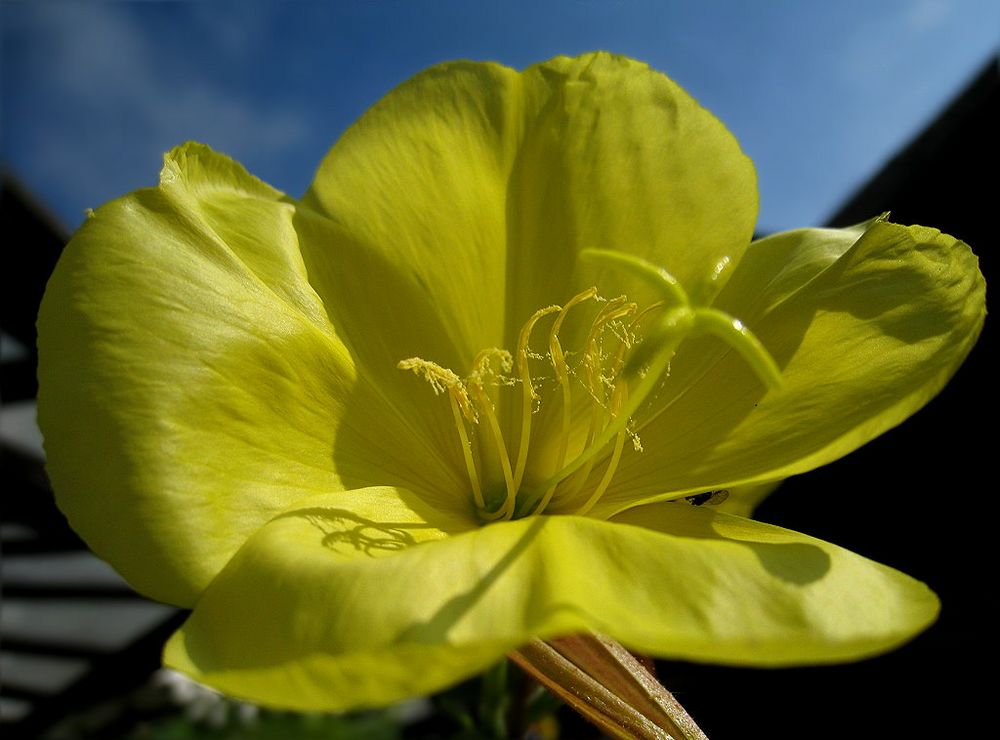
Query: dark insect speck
{"x":710,"y":498}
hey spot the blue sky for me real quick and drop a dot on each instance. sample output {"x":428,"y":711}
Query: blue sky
{"x":819,"y":93}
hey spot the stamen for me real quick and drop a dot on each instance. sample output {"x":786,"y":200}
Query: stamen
{"x":620,"y":391}
{"x":441,"y":379}
{"x":616,"y":455}
{"x":444,"y":380}
{"x":528,"y":394}
{"x":618,"y":382}
{"x":470,"y":463}
{"x":483,"y":372}
{"x":657,"y":351}
{"x":681,"y":318}
{"x":615,"y":309}
{"x":593,"y":363}
{"x":558,"y":359}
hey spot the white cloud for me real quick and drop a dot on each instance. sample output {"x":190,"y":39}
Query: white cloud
{"x":927,"y":15}
{"x":98,"y":58}
{"x":101,"y":107}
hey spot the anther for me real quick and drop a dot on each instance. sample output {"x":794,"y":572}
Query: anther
{"x":444,"y":380}
{"x":441,"y":380}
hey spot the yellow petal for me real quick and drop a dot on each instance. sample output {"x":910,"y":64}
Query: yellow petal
{"x":617,"y":156}
{"x":474,"y":187}
{"x":866,"y":330}
{"x":744,"y":500}
{"x":191,"y":383}
{"x":364,"y":598}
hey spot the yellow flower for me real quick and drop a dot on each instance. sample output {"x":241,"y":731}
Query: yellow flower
{"x":231,"y":420}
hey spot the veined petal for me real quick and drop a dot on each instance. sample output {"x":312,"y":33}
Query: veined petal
{"x":477,"y":186}
{"x":190,"y":380}
{"x":360,"y":598}
{"x":866,"y":330}
{"x":421,"y":180}
{"x":617,"y":156}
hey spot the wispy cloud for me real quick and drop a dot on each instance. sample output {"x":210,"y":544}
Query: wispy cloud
{"x":93,"y":106}
{"x":927,"y":15}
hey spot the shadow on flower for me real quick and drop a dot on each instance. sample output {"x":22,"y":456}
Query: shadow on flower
{"x":341,"y":527}
{"x":387,"y":434}
{"x":436,"y":629}
{"x":798,"y":563}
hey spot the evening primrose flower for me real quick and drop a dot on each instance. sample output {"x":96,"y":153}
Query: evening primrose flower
{"x":464,"y":392}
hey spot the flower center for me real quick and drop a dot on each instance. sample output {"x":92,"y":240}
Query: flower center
{"x":592,"y":394}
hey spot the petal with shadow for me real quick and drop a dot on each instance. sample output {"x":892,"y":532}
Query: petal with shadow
{"x":366,"y":597}
{"x":866,"y":330}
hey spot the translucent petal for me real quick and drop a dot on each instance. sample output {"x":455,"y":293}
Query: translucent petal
{"x":475,"y":187}
{"x":866,"y":330}
{"x":361,"y":598}
{"x":191,"y":383}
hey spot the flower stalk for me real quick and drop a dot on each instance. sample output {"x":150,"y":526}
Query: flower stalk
{"x":608,"y":686}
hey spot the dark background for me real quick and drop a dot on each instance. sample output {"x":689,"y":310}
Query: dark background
{"x":919,"y":498}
